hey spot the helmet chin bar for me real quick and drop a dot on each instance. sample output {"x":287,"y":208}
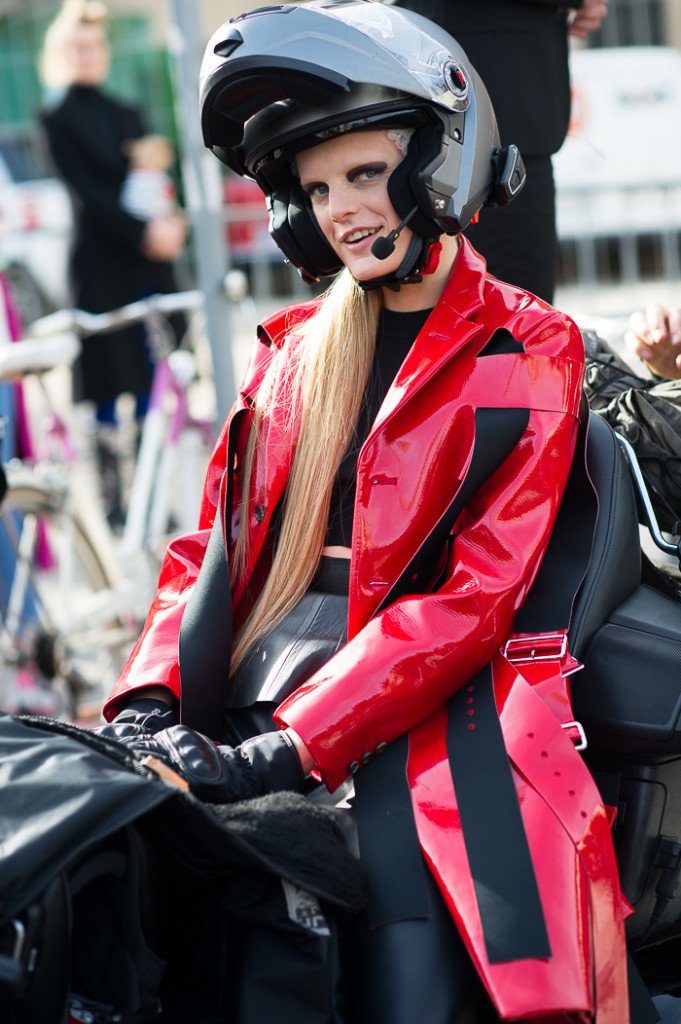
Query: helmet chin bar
{"x":410,"y":270}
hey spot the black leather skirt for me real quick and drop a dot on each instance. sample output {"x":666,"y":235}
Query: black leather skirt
{"x":289,"y":653}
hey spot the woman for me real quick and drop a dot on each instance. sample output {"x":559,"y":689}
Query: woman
{"x":406,"y":441}
{"x":116,"y":258}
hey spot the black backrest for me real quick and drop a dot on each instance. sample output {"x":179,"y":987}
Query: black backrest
{"x":614,"y":569}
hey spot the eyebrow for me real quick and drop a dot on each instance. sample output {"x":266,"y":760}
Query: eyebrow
{"x":366,"y":165}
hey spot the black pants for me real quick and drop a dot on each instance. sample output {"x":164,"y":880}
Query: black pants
{"x":413,"y":970}
{"x":518,"y":241}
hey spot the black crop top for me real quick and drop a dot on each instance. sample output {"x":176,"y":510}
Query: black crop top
{"x":395,"y":336}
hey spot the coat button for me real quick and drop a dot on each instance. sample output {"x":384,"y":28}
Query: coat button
{"x":353,"y":767}
{"x":380,"y":747}
{"x":366,"y":757}
{"x":259,"y":513}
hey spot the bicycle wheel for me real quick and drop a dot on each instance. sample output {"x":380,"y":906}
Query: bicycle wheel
{"x":61,"y":612}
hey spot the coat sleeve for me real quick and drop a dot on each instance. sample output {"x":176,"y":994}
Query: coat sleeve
{"x":410,"y":658}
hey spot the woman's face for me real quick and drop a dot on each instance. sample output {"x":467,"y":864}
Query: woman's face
{"x":88,"y":54}
{"x":346,"y":180}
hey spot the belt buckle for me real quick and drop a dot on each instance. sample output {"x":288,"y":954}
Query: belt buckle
{"x":535,"y":647}
{"x":581,"y":742}
{"x":13,"y":965}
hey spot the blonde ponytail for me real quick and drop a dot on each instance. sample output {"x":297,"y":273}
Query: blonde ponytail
{"x":337,"y":351}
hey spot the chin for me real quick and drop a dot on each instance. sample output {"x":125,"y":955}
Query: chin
{"x":376,"y":268}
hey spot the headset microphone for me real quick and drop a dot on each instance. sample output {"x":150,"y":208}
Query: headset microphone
{"x":384,"y":246}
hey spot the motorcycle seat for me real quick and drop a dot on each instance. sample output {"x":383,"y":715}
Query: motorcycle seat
{"x":614,"y":569}
{"x":626,"y":633}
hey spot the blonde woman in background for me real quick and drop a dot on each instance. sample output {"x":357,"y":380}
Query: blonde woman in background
{"x":116,"y":257}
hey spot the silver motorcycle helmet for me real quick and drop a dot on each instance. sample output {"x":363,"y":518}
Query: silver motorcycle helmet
{"x":278,"y":80}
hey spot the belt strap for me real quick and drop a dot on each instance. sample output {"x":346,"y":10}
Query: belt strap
{"x":388,"y":841}
{"x":494,"y":834}
{"x":496,"y":844}
{"x":542,"y":755}
{"x":548,"y":606}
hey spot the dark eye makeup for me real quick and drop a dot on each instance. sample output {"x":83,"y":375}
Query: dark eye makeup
{"x":316,"y":189}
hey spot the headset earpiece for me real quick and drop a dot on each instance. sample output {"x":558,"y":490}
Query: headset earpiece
{"x":404,"y":185}
{"x":295,"y":230}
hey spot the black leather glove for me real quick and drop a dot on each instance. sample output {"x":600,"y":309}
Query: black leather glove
{"x":265,"y":764}
{"x":142,"y":717}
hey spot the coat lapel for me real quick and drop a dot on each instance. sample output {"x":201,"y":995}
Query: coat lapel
{"x":446,"y":332}
{"x":402,"y":466}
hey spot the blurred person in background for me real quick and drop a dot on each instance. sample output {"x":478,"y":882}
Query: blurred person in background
{"x":148,"y":190}
{"x":520,"y":49}
{"x":117,"y":257}
{"x":654,"y":335}
{"x":642,"y":401}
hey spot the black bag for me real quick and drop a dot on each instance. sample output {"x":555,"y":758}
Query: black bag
{"x":647,"y":412}
{"x":122,"y":898}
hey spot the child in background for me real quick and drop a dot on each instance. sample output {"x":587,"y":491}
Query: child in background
{"x":148,"y":190}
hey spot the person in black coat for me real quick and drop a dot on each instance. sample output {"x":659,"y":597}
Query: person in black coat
{"x":116,"y":258}
{"x":520,"y":49}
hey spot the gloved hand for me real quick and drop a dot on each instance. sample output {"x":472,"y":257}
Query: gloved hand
{"x":219,"y":774}
{"x":142,"y":717}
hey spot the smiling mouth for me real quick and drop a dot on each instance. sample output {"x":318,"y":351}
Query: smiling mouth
{"x":359,"y":235}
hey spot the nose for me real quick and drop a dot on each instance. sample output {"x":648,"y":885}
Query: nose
{"x":342,"y":201}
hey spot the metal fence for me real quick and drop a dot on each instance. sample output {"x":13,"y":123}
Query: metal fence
{"x":619,"y":173}
{"x":634,"y":23}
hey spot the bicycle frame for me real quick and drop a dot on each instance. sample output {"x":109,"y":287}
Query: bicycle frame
{"x":167,"y":424}
{"x":159,"y":454}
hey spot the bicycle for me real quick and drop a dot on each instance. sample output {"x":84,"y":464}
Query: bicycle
{"x":58,"y":638}
{"x":152,"y":517}
{"x":89,"y":592}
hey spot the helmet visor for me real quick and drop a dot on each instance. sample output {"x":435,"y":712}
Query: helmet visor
{"x":422,"y":55}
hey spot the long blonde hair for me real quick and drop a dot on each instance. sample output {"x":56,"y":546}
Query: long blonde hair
{"x":337,"y":351}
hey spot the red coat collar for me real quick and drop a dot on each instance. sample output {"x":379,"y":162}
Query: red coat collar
{"x":450,"y":326}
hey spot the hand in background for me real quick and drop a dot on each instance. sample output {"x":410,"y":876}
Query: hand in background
{"x":164,"y":238}
{"x":587,"y":18}
{"x":655,"y":337}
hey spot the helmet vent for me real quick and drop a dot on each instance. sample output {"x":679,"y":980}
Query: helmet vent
{"x":229,"y":44}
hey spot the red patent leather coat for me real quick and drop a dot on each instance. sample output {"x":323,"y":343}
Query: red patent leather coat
{"x":405,"y":658}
